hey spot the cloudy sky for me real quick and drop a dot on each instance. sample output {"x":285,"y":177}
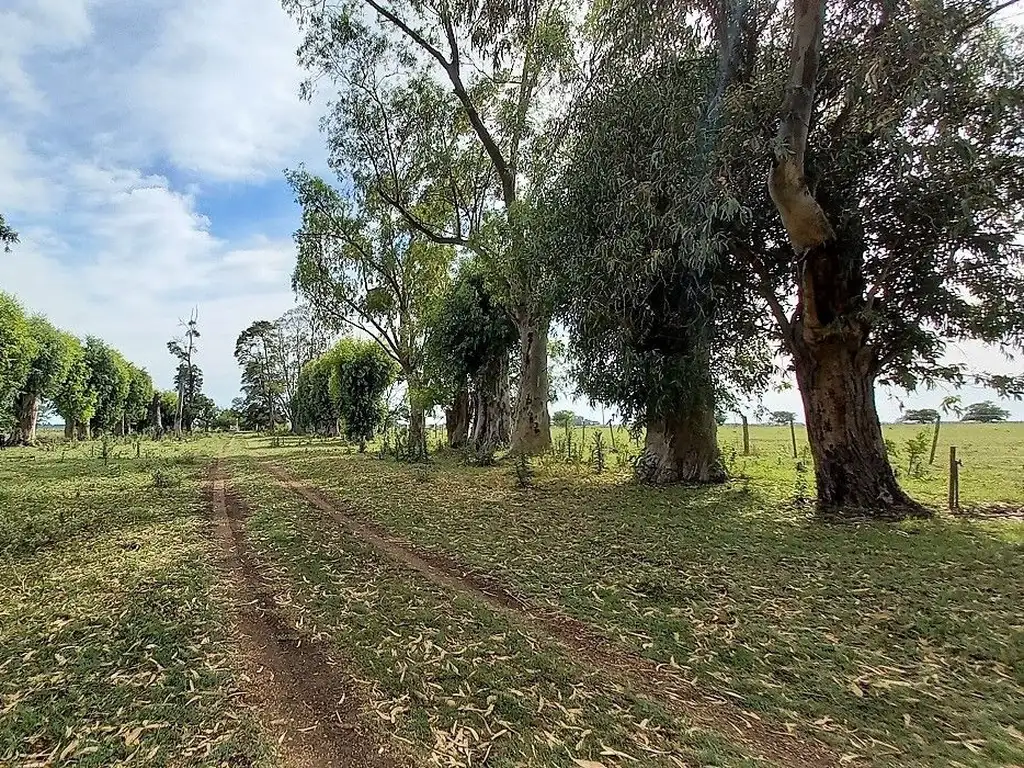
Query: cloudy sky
{"x":142,"y":144}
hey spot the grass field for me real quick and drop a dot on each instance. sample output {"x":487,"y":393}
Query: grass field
{"x":487,"y":616}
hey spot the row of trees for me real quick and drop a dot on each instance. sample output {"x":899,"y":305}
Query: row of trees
{"x":691,"y":187}
{"x":90,"y":384}
{"x":87,"y":382}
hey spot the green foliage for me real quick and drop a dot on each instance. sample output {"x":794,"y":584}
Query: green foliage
{"x":917,"y":449}
{"x":920,"y":416}
{"x":563,"y":419}
{"x":139,"y":399}
{"x":471,"y":333}
{"x":313,"y":408}
{"x":360,"y":374}
{"x":657,"y":317}
{"x":18,"y":348}
{"x":110,"y":378}
{"x":75,"y":398}
{"x":54,"y":357}
{"x":8,"y":236}
{"x":782,"y":417}
{"x":985,"y":411}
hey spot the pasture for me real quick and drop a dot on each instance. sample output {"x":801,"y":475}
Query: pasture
{"x":253,"y":601}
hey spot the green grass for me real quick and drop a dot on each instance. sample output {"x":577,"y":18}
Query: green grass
{"x":112,"y":643}
{"x":903,"y":645}
{"x":455,"y":681}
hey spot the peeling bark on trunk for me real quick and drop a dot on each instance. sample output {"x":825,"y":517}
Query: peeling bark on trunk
{"x":456,"y":420}
{"x":682,"y":447}
{"x":852,"y":469}
{"x":531,"y":434}
{"x":24,"y":432}
{"x":828,"y":335}
{"x":493,"y":416}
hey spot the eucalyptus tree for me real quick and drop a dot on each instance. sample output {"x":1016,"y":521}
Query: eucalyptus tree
{"x":660,"y":321}
{"x":460,"y":161}
{"x":468,"y":352}
{"x":54,"y":355}
{"x":184,"y":347}
{"x":360,"y":266}
{"x":897,"y":197}
{"x":74,"y":397}
{"x":110,"y":379}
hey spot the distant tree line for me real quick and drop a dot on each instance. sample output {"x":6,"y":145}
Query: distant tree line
{"x":87,"y":382}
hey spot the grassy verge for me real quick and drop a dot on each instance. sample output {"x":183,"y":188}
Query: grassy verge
{"x":111,"y":645}
{"x":456,"y":682}
{"x":902,"y":644}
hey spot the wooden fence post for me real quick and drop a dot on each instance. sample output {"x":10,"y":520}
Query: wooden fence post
{"x":935,"y":439}
{"x":954,"y":480}
{"x":792,"y":435}
{"x":746,"y":436}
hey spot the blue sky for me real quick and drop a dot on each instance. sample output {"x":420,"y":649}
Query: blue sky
{"x":142,"y":144}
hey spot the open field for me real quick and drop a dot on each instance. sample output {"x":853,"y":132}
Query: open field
{"x":245,"y":601}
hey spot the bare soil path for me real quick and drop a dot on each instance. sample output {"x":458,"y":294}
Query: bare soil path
{"x":300,"y":693}
{"x":770,"y":740}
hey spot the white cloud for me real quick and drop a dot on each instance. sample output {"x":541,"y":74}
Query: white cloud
{"x":34,"y":27}
{"x":218,"y":93}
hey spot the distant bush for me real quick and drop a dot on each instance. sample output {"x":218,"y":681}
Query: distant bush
{"x":165,"y":478}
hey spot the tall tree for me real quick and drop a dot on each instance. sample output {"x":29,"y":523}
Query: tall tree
{"x":110,"y":379}
{"x":49,"y":367}
{"x":660,"y":322}
{"x":896,"y":175}
{"x":74,"y":397}
{"x":469,"y":342}
{"x":139,"y":400}
{"x":184,"y":348}
{"x":361,"y":267}
{"x":257,"y":353}
{"x":18,"y":348}
{"x":461,"y":167}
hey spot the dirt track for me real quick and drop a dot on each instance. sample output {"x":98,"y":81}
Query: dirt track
{"x":768,"y":740}
{"x":299,"y":692}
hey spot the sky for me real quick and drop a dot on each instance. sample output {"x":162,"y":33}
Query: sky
{"x":142,"y":145}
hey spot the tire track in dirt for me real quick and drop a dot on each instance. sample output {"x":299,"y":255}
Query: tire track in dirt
{"x":766,"y":739}
{"x":298,"y":691}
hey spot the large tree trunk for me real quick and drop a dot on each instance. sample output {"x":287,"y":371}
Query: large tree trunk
{"x":531,"y":433}
{"x":417,"y":435}
{"x":682,"y":446}
{"x":83,"y":430}
{"x":27,"y":417}
{"x":456,"y":420}
{"x":69,"y":429}
{"x":491,"y":427}
{"x":836,"y":381}
{"x":828,"y":334}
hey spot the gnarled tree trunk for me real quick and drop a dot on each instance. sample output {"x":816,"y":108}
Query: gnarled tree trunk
{"x":24,"y":432}
{"x":828,"y":334}
{"x":836,"y":380}
{"x":682,"y":446}
{"x":456,"y":420}
{"x":492,"y":424}
{"x":531,"y":433}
